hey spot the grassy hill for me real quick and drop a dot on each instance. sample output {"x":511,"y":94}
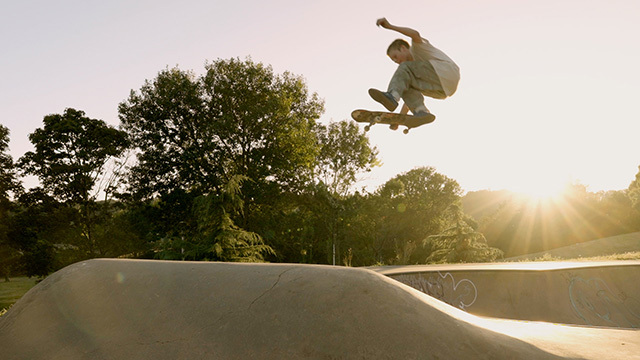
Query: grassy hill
{"x":621,"y":247}
{"x":11,"y":291}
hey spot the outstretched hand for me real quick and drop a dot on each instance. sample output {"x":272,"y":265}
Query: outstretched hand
{"x":383,"y":22}
{"x":413,"y":34}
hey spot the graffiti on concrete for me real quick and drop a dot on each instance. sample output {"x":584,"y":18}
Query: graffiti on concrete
{"x":595,"y":303}
{"x":443,"y":287}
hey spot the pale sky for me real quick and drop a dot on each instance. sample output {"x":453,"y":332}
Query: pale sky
{"x":549,"y":91}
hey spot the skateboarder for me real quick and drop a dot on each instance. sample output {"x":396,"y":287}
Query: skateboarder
{"x":423,"y":70}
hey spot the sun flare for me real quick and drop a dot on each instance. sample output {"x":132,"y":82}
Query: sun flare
{"x":542,"y":191}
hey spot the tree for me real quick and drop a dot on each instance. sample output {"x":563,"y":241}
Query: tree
{"x":166,"y":124}
{"x":344,"y":152}
{"x":461,"y":242}
{"x":309,"y":225}
{"x":420,"y":199}
{"x":217,"y":238}
{"x":263,"y":124}
{"x":367,"y":230}
{"x":38,"y":223}
{"x":71,"y":151}
{"x":390,"y":224}
{"x":196,"y":133}
{"x":9,"y":185}
{"x":634,"y":191}
{"x":616,"y":214}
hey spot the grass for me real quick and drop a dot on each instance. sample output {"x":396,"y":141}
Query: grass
{"x":13,"y":290}
{"x":632,"y":255}
{"x":619,"y":247}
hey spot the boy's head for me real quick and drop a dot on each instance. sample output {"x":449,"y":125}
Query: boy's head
{"x":399,"y":52}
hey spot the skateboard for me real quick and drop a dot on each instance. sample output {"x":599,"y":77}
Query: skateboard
{"x":382,"y":117}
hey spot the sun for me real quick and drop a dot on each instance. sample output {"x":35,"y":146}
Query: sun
{"x":542,"y":190}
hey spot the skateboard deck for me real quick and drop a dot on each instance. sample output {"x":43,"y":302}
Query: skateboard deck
{"x":382,"y":117}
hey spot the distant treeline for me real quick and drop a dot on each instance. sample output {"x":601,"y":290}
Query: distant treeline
{"x":519,"y":225}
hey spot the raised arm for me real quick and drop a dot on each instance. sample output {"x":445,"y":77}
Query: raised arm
{"x":413,"y":34}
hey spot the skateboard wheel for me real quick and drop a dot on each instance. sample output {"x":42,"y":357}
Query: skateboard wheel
{"x":405,"y":131}
{"x":367,"y":128}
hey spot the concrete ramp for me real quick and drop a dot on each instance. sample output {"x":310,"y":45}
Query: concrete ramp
{"x":128,"y":309}
{"x":579,"y":293}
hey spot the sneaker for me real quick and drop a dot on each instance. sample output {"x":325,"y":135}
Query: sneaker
{"x":421,"y":113}
{"x":425,"y":115}
{"x":384,"y":98}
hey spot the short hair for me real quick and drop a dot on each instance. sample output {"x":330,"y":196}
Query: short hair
{"x":397,"y":44}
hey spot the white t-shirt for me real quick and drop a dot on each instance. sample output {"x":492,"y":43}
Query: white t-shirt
{"x":447,"y":70}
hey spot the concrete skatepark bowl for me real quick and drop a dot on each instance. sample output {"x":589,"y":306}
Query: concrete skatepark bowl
{"x":579,"y":293}
{"x":136,"y":309}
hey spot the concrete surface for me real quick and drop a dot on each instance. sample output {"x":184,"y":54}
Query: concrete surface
{"x":132,"y":309}
{"x":597,"y":293}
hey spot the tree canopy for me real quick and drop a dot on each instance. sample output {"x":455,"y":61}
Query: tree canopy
{"x":71,"y":151}
{"x":239,"y":118}
{"x":634,"y":191}
{"x":9,"y":185}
